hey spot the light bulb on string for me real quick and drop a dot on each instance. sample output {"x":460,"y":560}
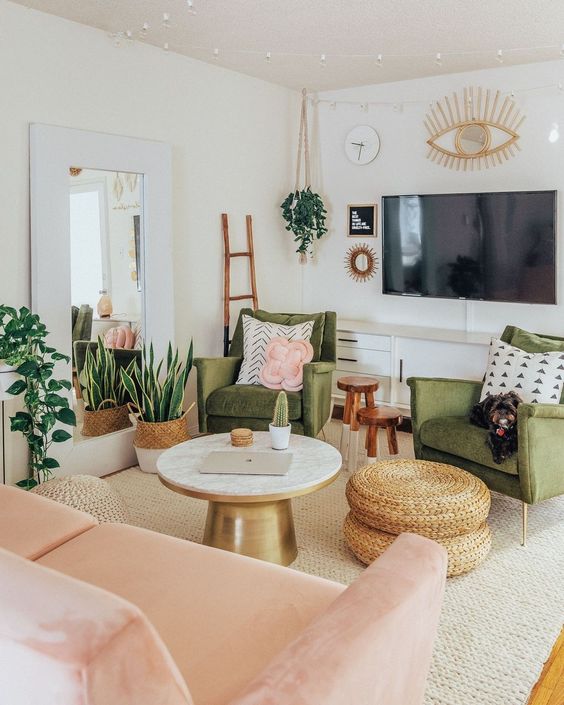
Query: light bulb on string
{"x":438,"y":59}
{"x":216,"y":53}
{"x":323,"y":61}
{"x":191,"y":9}
{"x":499,"y":56}
{"x":166,"y":20}
{"x":379,"y":61}
{"x":129,"y":35}
{"x":268,"y":57}
{"x":144,"y":29}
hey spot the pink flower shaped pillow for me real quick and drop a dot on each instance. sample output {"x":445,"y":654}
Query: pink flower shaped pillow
{"x":285,"y":360}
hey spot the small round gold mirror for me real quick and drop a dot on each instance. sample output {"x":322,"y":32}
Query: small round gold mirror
{"x":473,"y":139}
{"x":361,"y":262}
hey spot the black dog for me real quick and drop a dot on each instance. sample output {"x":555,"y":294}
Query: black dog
{"x":498,"y":413}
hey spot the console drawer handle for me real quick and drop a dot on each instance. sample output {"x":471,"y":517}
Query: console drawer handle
{"x":347,"y":359}
{"x":348,"y":340}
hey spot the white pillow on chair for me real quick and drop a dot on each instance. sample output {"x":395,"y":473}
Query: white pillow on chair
{"x":536,"y":377}
{"x":256,"y":336}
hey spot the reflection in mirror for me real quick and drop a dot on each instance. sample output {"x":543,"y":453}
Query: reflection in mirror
{"x":106,"y":225}
{"x":473,"y":139}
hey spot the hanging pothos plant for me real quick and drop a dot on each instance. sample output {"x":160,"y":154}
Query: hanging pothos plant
{"x":305,"y":214}
{"x":303,"y":210}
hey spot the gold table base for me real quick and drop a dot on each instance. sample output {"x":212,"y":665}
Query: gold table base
{"x":262,"y":530}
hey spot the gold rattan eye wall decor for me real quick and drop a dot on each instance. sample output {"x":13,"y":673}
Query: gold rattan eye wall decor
{"x":361,"y":262}
{"x":473,"y":131}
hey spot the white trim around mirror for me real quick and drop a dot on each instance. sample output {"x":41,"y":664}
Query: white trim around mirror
{"x":52,"y":151}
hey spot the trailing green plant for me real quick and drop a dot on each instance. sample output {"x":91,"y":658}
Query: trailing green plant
{"x":101,"y":382}
{"x":24,"y":333}
{"x":305,"y":214}
{"x":159,"y":397}
{"x":280,"y":417}
{"x":18,"y":331}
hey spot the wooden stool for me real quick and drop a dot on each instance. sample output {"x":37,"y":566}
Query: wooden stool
{"x":355,"y":387}
{"x":376,"y":417}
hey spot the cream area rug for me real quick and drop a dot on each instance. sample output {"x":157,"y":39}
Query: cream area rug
{"x":498,"y":623}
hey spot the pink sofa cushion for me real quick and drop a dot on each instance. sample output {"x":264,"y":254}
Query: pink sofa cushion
{"x":31,"y":525}
{"x":284,"y":364}
{"x":63,"y":641}
{"x":373,"y":646}
{"x":222,"y":616}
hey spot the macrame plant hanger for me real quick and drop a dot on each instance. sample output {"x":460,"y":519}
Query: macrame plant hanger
{"x":303,"y":146}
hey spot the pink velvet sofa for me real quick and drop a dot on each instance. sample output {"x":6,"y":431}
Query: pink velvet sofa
{"x":116,"y":615}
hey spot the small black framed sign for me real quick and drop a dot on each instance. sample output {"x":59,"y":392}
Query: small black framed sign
{"x":361,"y":220}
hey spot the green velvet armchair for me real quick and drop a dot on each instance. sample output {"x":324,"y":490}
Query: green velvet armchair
{"x":224,"y":405}
{"x":442,"y":432}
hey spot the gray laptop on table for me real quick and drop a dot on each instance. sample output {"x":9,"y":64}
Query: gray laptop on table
{"x":225,"y":462}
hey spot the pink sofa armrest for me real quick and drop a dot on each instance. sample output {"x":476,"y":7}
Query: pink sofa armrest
{"x":373,"y":645}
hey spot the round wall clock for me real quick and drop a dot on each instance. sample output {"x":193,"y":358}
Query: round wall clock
{"x":362,"y":144}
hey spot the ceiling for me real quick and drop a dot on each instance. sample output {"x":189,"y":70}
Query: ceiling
{"x":351,"y":33}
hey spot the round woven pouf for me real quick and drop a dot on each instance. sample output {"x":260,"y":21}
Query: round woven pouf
{"x":435,"y":500}
{"x":465,"y":552}
{"x":432,"y":499}
{"x":88,"y":494}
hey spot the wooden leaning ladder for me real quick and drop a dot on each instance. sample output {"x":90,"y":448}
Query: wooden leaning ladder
{"x":228,"y":255}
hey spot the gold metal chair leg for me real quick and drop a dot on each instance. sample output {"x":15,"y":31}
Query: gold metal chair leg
{"x":525,"y":508}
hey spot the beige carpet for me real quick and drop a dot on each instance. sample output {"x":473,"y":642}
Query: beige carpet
{"x":499,"y":622}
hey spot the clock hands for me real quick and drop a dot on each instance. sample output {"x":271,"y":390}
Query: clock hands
{"x":360,"y":146}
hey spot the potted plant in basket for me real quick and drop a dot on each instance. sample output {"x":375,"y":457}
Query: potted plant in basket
{"x":23,"y":337}
{"x":105,"y":395}
{"x":158,"y":402}
{"x":280,"y":428}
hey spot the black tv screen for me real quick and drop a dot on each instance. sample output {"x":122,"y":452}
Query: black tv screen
{"x":482,"y":246}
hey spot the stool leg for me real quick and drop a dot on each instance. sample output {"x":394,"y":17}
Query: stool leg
{"x":372,"y":443}
{"x":369,"y":400}
{"x":392,"y":440}
{"x":354,"y":431}
{"x":345,"y":430}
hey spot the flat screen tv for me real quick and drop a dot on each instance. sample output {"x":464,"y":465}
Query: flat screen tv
{"x":479,"y":246}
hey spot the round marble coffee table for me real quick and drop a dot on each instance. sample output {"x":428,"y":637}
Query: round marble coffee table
{"x":250,"y":514}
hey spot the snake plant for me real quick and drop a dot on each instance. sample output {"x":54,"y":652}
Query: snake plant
{"x":159,"y":398}
{"x":100,"y":379}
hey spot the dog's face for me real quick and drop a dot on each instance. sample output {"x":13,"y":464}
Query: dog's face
{"x":503,"y":410}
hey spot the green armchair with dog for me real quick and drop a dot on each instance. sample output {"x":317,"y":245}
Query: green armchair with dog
{"x":442,"y":432}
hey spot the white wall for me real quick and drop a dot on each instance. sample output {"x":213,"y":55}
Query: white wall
{"x":231,"y":137}
{"x":402,"y":168}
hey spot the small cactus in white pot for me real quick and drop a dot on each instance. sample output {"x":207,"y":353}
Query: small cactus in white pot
{"x":280,"y":428}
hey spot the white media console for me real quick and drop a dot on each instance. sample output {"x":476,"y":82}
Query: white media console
{"x":392,"y":353}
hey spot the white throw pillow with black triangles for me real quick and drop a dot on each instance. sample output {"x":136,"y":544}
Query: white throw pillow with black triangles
{"x":256,"y":336}
{"x":536,"y":377}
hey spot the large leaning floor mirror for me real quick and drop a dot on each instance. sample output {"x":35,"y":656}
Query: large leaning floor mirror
{"x":101,"y":275}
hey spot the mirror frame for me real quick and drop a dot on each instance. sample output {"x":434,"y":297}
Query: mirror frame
{"x":353,"y":270}
{"x":53,"y":150}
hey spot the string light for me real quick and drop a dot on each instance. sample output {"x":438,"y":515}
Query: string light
{"x":499,"y":56}
{"x":190,"y":4}
{"x":166,"y":19}
{"x":165,"y":46}
{"x":438,"y":59}
{"x":144,"y":29}
{"x":379,"y":61}
{"x":323,"y":61}
{"x":268,"y":57}
{"x":216,"y":53}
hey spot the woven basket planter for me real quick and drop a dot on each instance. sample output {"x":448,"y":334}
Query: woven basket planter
{"x":103,"y":421}
{"x":151,"y":439}
{"x":432,"y":499}
{"x":465,"y":551}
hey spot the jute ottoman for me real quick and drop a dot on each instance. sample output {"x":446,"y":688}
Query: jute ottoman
{"x":439,"y":501}
{"x":88,"y":494}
